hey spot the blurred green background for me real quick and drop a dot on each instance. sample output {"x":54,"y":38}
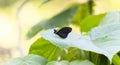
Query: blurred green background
{"x":17,"y":18}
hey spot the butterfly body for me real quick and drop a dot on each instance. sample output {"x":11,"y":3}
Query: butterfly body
{"x":63,"y":33}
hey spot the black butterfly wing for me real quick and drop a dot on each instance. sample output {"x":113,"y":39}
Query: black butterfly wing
{"x":64,"y":32}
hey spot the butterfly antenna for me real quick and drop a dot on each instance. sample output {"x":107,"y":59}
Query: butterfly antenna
{"x":55,"y":30}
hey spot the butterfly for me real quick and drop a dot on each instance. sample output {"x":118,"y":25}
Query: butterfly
{"x":63,"y":32}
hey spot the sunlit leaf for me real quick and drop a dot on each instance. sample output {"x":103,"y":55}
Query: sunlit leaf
{"x":107,"y":37}
{"x":62,"y":19}
{"x":81,"y":14}
{"x":44,"y":48}
{"x":116,"y":60}
{"x":78,"y":62}
{"x":89,"y":22}
{"x":73,"y":40}
{"x":58,"y":63}
{"x":103,"y":40}
{"x":28,"y":60}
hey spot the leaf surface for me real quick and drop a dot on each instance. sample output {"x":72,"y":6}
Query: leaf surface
{"x":91,"y":21}
{"x":44,"y":48}
{"x":102,"y":40}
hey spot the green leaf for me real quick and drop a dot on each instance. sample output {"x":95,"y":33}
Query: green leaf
{"x":58,"y":63}
{"x":81,"y":14}
{"x":116,"y":60}
{"x":107,"y":37}
{"x":28,"y":60}
{"x":73,"y":40}
{"x":102,"y":40}
{"x":44,"y":48}
{"x":107,"y":34}
{"x":78,"y":62}
{"x":62,"y":19}
{"x":91,"y":21}
{"x":111,"y":17}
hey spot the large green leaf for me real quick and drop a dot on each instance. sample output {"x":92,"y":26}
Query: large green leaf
{"x":28,"y":60}
{"x":89,"y":22}
{"x":81,"y":14}
{"x":73,"y":40}
{"x":44,"y":48}
{"x":62,"y":19}
{"x":107,"y":37}
{"x":109,"y":32}
{"x":78,"y":62}
{"x":58,"y":63}
{"x":102,"y":40}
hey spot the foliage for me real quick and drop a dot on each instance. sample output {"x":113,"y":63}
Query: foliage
{"x":103,"y":39}
{"x":28,"y":60}
{"x":99,"y":47}
{"x":100,"y":41}
{"x":79,"y":16}
{"x":44,"y":48}
{"x":51,"y":52}
{"x":90,"y":21}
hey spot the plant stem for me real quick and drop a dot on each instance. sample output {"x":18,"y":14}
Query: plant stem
{"x":19,"y":28}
